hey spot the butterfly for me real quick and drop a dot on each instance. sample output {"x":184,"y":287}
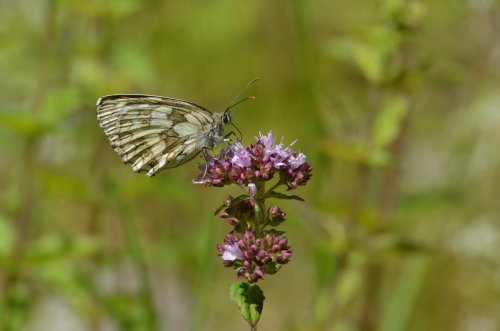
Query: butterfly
{"x":153,"y":133}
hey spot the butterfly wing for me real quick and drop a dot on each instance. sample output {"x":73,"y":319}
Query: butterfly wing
{"x":152,"y":133}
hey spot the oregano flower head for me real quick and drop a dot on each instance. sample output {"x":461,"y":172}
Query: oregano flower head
{"x":252,"y":257}
{"x":258,"y":162}
{"x":254,"y":247}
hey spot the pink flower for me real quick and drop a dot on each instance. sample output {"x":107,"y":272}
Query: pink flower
{"x":253,"y":257}
{"x":232,"y":252}
{"x":260,"y":161}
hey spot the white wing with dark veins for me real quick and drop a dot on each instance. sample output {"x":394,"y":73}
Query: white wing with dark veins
{"x":152,"y":133}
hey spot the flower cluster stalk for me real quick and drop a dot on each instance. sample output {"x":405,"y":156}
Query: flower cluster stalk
{"x":260,"y":206}
{"x":254,"y":247}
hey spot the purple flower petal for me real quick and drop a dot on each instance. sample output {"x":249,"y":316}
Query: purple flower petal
{"x":240,"y":157}
{"x":296,"y":160}
{"x":261,"y":161}
{"x":232,"y":252}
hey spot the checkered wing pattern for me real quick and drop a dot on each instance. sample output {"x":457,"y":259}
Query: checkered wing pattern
{"x":152,"y":133}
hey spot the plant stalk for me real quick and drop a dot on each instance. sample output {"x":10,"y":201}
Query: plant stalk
{"x":139,"y":261}
{"x":260,"y":207}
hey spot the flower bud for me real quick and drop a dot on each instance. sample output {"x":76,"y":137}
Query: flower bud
{"x":252,"y":189}
{"x":275,"y":215}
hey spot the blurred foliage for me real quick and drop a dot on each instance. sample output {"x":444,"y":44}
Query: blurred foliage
{"x":395,"y":102}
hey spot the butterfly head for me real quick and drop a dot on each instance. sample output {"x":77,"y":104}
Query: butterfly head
{"x":226,"y":117}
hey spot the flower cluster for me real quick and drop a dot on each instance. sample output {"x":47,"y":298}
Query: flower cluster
{"x":254,"y":247}
{"x":251,"y":256}
{"x":258,"y":162}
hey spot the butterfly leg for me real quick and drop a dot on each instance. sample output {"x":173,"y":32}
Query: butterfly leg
{"x":205,"y":154}
{"x":237,"y":129}
{"x":232,"y":133}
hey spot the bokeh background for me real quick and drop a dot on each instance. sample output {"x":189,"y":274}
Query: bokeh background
{"x":395,"y":103}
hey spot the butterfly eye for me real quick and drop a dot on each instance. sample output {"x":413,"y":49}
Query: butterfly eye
{"x":226,"y":118}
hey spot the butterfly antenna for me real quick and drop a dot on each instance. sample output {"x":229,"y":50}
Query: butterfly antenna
{"x":234,"y":102}
{"x":237,"y":103}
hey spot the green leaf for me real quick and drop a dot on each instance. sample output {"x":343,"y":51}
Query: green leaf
{"x":370,"y":49}
{"x":277,"y":195}
{"x":23,"y":124}
{"x":220,"y":208}
{"x":233,"y":203}
{"x":349,"y":286}
{"x":393,"y":7}
{"x":388,"y":122}
{"x":369,"y":60}
{"x":401,"y":303}
{"x":53,"y":247}
{"x":378,"y":157}
{"x":275,"y":232}
{"x":249,"y":299}
{"x":237,"y":200}
{"x":272,"y":268}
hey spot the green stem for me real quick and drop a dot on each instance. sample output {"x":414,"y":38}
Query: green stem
{"x":138,"y":259}
{"x":278,"y":183}
{"x":260,"y":207}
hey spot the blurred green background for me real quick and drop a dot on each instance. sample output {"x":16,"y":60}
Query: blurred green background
{"x":395,"y":103}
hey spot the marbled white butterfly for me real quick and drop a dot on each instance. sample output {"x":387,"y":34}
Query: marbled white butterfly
{"x":153,"y":133}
